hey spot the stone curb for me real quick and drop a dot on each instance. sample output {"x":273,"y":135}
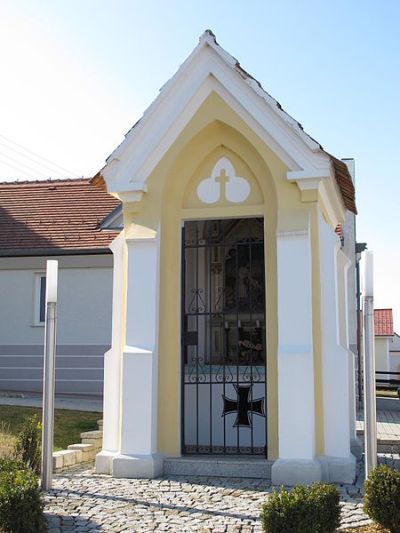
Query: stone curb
{"x":81,"y":452}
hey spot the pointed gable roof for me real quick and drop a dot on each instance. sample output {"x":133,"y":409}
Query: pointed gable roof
{"x":339,"y":169}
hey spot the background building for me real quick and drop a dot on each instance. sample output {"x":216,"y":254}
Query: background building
{"x":72,"y":221}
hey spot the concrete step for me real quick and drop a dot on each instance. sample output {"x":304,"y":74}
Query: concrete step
{"x":218,"y":466}
{"x":93,"y":437}
{"x":86,"y":452}
{"x":386,"y":443}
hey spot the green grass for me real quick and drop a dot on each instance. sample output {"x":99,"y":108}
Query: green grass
{"x":68,"y":425}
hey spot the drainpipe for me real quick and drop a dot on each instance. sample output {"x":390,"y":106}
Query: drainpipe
{"x":360,"y":247}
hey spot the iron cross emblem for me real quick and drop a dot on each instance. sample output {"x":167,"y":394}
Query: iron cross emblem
{"x":243,"y":406}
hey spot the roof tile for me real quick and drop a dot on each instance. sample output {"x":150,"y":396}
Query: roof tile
{"x":383,"y":319}
{"x":54,"y":214}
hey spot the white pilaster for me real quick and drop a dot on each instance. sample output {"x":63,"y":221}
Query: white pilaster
{"x":112,"y":366}
{"x":338,"y":462}
{"x":137,"y":457}
{"x":296,"y":406}
{"x":345,"y":273}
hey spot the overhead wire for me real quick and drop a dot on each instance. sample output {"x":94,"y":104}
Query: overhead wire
{"x":27,"y":167}
{"x":39,"y":156}
{"x":38,"y":163}
{"x":30,"y":176}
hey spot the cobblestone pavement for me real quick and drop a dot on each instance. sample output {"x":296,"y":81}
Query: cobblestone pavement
{"x":82,"y":501}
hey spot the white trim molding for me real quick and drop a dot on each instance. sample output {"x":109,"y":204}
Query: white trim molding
{"x":326,"y":189}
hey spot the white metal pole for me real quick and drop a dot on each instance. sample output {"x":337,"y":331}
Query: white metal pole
{"x":369,"y":365}
{"x":49,"y":374}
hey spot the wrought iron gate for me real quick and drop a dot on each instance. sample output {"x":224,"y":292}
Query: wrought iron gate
{"x":223,"y":337}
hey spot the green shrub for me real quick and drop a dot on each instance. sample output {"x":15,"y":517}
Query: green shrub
{"x":21,"y":506}
{"x":382,"y":497}
{"x":6,"y":465}
{"x":28,"y":447}
{"x":312,"y":509}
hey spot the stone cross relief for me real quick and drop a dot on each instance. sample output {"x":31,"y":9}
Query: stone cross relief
{"x":223,"y":184}
{"x":222,"y":179}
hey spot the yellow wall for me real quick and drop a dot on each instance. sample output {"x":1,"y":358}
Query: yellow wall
{"x":215,"y":130}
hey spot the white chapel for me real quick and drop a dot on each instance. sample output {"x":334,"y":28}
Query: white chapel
{"x":232,"y":291}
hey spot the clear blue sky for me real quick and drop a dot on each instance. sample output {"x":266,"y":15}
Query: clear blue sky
{"x":76,"y":74}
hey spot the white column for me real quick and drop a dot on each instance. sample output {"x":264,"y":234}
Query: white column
{"x":296,"y":406}
{"x":138,"y":457}
{"x":370,"y":440}
{"x":112,"y":366}
{"x":338,"y":463}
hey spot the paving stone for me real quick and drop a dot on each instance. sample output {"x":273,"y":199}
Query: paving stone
{"x":84,"y":501}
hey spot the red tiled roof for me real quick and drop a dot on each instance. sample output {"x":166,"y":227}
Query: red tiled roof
{"x":345,"y":184}
{"x":383,"y":320}
{"x":339,"y":231}
{"x":55,"y":215}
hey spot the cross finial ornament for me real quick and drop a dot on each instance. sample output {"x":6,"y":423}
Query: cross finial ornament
{"x":243,"y":406}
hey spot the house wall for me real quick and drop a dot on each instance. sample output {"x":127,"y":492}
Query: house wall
{"x":394,"y":353}
{"x":395,"y":362}
{"x":381,"y":353}
{"x":83,"y":328}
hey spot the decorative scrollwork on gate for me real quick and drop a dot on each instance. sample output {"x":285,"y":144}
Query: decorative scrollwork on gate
{"x":198,"y":373}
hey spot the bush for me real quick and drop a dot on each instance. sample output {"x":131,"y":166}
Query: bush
{"x":7,"y":465}
{"x":382,"y":497}
{"x":28,"y":447}
{"x":21,"y":506}
{"x":312,"y":509}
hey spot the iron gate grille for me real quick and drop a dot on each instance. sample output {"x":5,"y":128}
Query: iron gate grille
{"x":223,"y":337}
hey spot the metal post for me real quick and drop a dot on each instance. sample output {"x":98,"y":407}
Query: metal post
{"x":360,"y":247}
{"x":49,"y":375}
{"x":369,"y":367}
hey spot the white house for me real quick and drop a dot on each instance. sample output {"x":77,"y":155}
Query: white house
{"x":383,"y":320}
{"x":231,"y":333}
{"x":394,"y":353}
{"x":73,"y":221}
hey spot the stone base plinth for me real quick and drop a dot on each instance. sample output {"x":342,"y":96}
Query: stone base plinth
{"x":137,"y":466}
{"x":293,"y":471}
{"x":104,"y":461}
{"x":338,"y":469}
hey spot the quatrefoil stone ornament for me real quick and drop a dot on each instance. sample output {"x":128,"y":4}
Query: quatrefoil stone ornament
{"x":223,"y":184}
